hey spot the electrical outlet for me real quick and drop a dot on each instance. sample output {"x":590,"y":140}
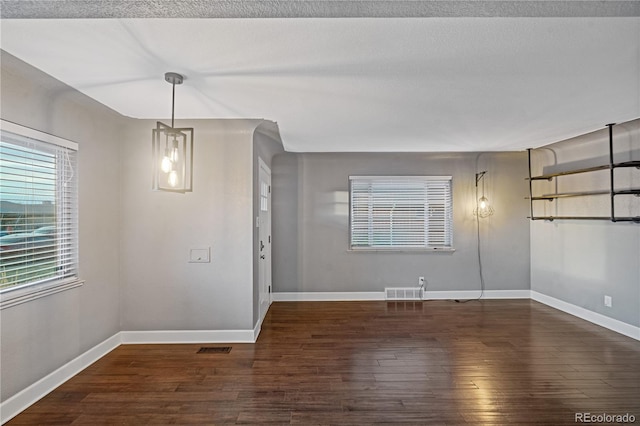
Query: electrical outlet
{"x":420,"y":281}
{"x":608,"y":301}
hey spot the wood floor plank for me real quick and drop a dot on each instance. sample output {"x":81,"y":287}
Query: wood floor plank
{"x":358,"y":363}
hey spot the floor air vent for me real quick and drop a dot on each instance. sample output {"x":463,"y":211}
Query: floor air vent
{"x":211,"y":350}
{"x":403,"y":293}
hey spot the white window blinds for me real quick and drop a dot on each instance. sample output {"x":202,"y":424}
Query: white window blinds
{"x":38,"y":210}
{"x":401,"y":212}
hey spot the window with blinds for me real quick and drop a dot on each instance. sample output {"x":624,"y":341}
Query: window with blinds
{"x":38,"y":208}
{"x":401,"y":212}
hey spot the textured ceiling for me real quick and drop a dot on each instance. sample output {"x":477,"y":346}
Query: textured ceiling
{"x":58,"y":9}
{"x":386,"y":82}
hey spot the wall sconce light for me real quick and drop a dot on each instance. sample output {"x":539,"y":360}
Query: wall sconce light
{"x":483,"y":208}
{"x":172,"y":150}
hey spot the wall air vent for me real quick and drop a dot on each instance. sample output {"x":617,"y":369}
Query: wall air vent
{"x":403,"y":293}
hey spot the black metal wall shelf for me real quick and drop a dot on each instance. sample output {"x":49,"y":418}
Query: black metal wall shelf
{"x":635,"y":219}
{"x":588,"y":169}
{"x":551,"y":197}
{"x":611,"y":192}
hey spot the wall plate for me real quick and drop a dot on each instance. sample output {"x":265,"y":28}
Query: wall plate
{"x":200,"y":255}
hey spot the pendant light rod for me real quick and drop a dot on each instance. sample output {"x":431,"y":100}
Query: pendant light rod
{"x":173,"y":103}
{"x":173,"y":78}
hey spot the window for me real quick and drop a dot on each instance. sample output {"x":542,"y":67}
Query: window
{"x":401,"y":212}
{"x":264,"y":196}
{"x":38,"y":210}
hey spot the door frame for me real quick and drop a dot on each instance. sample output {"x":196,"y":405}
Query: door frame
{"x":264,"y":237}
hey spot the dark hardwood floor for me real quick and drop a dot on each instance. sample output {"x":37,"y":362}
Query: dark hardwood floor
{"x":505,"y":362}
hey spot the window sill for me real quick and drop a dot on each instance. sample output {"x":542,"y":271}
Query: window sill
{"x":401,"y":250}
{"x":14,"y":297}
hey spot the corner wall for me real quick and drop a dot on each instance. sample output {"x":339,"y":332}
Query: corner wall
{"x":579,"y":262}
{"x":134,"y":242}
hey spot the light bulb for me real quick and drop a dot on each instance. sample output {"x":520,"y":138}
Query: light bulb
{"x":165,"y":165}
{"x":173,"y":178}
{"x":174,"y":151}
{"x":483,"y":203}
{"x":484,"y":208}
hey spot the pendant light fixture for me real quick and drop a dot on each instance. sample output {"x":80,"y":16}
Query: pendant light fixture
{"x":483,"y":208}
{"x":172,"y":150}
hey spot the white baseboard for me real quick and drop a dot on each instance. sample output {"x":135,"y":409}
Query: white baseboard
{"x":256,"y":331}
{"x":474,"y":294}
{"x":189,"y":336}
{"x":339,"y":296}
{"x":585,"y":314}
{"x":30,"y":395}
{"x":379,"y":295}
{"x":23,"y":399}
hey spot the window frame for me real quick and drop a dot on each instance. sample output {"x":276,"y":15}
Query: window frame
{"x":448,"y":222}
{"x":25,"y":292}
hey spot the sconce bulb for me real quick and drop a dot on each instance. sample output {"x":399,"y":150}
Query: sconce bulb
{"x":165,"y":165}
{"x":173,"y":178}
{"x":483,"y":203}
{"x":484,"y":209}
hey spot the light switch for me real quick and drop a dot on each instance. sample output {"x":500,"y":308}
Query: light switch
{"x":200,"y":255}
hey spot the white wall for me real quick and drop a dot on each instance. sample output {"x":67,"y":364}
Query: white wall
{"x":161,"y":290}
{"x":311,"y":219}
{"x":39,"y":336}
{"x":581,"y":261}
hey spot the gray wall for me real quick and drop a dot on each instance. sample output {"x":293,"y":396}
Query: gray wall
{"x":311,"y":218}
{"x":161,"y":290}
{"x":581,"y":261}
{"x":40,"y":336}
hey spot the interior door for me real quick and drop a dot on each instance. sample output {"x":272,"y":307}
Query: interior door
{"x":264,"y":237}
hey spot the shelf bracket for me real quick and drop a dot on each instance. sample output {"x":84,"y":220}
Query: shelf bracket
{"x":530,"y":184}
{"x":611,"y":174}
